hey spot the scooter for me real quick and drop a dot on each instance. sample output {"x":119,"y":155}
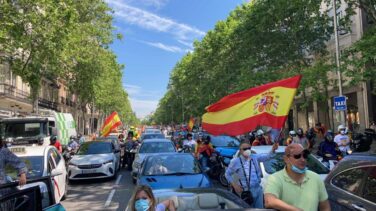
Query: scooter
{"x":362,"y":142}
{"x":217,"y":168}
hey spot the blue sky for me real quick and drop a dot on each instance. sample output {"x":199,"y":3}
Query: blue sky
{"x":157,"y":34}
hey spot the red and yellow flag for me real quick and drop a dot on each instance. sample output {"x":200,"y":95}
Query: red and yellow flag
{"x":191,"y":123}
{"x":239,"y":113}
{"x":112,"y":122}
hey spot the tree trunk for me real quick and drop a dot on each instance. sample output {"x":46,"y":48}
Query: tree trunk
{"x":306,"y":110}
{"x":34,"y":98}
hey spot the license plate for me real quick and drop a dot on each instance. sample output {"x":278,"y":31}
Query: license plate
{"x":89,"y":171}
{"x":18,"y":150}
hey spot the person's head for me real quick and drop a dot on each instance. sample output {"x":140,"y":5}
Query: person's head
{"x":121,"y":136}
{"x":199,"y":138}
{"x":292,"y":133}
{"x":329,"y":136}
{"x":79,"y":135}
{"x":53,"y":140}
{"x":142,"y":198}
{"x":189,"y":136}
{"x":259,"y":133}
{"x":207,"y":140}
{"x":300,"y":132}
{"x":342,"y":129}
{"x":296,"y":158}
{"x":130,"y":135}
{"x":318,"y":125}
{"x":245,"y":149}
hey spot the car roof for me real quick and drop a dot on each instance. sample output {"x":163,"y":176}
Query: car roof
{"x":32,"y":150}
{"x":156,"y":140}
{"x":267,"y":148}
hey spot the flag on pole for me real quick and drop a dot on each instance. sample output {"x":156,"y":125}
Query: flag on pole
{"x":112,"y":122}
{"x":191,"y":123}
{"x":239,"y":113}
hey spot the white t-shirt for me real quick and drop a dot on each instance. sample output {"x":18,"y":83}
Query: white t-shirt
{"x":342,"y":140}
{"x":189,"y":142}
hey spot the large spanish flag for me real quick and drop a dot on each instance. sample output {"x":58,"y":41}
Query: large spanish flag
{"x":112,"y":122}
{"x":242,"y":112}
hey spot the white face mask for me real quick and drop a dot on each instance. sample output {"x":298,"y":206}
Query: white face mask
{"x":343,"y":132}
{"x":247,"y":153}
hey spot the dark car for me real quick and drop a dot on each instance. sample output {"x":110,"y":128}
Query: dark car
{"x":351,"y":185}
{"x":172,"y":171}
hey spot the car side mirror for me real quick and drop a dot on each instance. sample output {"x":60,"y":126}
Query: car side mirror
{"x":56,"y":172}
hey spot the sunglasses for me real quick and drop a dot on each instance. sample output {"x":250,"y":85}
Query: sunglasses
{"x":305,"y":154}
{"x":144,"y":198}
{"x":248,"y":148}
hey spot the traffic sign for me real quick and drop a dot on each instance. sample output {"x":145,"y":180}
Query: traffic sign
{"x":340,"y":103}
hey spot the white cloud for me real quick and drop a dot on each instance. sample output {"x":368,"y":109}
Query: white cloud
{"x":132,"y":89}
{"x":143,"y":107}
{"x":150,"y":21}
{"x":162,"y":46}
{"x":188,"y":44}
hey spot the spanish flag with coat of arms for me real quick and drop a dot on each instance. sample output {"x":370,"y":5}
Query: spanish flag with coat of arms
{"x":111,"y":123}
{"x":242,"y":112}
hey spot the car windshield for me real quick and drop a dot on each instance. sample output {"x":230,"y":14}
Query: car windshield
{"x":90,"y":148}
{"x":30,"y":129}
{"x":152,"y":136}
{"x":277,"y":163}
{"x":157,"y":147}
{"x":34,"y":166}
{"x":167,"y":165}
{"x":224,"y":141}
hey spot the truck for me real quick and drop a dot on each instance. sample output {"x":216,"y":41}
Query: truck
{"x":37,"y":129}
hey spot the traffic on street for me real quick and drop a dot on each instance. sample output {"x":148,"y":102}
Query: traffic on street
{"x":155,"y":105}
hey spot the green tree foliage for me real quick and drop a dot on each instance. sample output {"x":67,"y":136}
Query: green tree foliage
{"x":259,"y":42}
{"x":66,"y":40}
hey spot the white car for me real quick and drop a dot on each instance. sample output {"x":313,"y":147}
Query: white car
{"x":94,"y":159}
{"x":150,"y":147}
{"x":276,"y":163}
{"x":43,"y":161}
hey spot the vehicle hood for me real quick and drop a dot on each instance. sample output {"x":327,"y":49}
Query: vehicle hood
{"x":141,"y":156}
{"x":176,"y":182}
{"x":226,"y":151}
{"x":91,"y":159}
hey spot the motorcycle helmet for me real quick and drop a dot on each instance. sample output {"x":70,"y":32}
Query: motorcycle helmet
{"x":292,"y":133}
{"x":329,"y":135}
{"x":342,"y":129}
{"x":300,"y":132}
{"x":53,"y":140}
{"x":259,"y":133}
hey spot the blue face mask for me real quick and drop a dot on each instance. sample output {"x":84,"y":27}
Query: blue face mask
{"x":142,"y":205}
{"x":298,"y":170}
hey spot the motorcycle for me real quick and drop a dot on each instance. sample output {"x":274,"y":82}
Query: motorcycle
{"x":362,"y":142}
{"x":129,"y":155}
{"x":68,"y":153}
{"x":217,"y":168}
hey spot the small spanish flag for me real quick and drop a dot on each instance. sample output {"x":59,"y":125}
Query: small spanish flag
{"x":112,"y":122}
{"x":239,"y":113}
{"x":191,"y":123}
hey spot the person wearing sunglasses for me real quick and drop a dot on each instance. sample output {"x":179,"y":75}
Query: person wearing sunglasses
{"x":247,"y":172}
{"x":295,"y":187}
{"x":143,"y":200}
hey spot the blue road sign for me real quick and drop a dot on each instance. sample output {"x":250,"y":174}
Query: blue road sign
{"x":340,"y":103}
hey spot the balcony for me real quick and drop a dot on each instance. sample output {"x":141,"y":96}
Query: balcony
{"x":8,"y":90}
{"x":47,"y":104}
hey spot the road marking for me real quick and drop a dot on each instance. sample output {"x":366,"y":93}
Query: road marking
{"x":112,"y":193}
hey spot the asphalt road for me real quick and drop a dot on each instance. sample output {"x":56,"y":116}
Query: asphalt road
{"x":100,"y":194}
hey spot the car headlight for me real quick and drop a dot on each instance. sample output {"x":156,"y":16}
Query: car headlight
{"x":109,"y":161}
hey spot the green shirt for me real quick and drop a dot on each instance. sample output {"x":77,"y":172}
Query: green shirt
{"x":306,"y":196}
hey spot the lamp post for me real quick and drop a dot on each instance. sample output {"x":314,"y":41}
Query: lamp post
{"x":342,"y":113}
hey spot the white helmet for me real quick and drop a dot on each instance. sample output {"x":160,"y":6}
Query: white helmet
{"x":260,"y":132}
{"x":292,"y":133}
{"x":341,"y":127}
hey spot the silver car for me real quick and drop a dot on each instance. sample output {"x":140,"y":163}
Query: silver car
{"x":150,"y":147}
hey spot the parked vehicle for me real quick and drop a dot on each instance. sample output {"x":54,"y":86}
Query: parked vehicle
{"x":42,"y":161}
{"x":226,"y":146}
{"x":150,"y":147}
{"x":162,"y":171}
{"x":351,"y":185}
{"x":94,"y":159}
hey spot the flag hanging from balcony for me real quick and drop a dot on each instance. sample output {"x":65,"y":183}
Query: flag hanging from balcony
{"x":111,"y":123}
{"x":242,"y":112}
{"x":191,"y":123}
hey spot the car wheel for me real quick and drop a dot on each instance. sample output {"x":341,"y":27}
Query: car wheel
{"x":222,"y":178}
{"x":66,"y":189}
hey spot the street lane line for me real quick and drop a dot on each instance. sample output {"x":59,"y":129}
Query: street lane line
{"x":112,"y":193}
{"x":109,"y":199}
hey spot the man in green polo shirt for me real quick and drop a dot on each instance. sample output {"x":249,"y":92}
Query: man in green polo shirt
{"x":295,"y":187}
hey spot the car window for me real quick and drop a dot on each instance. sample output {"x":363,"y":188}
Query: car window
{"x":90,"y":148}
{"x":152,"y":136}
{"x":351,"y":180}
{"x":50,"y":164}
{"x":277,"y":164}
{"x":56,"y":156}
{"x":369,"y":192}
{"x":34,"y":166}
{"x":157,"y":147}
{"x":224,"y":141}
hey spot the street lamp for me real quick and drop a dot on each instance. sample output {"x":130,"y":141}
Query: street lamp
{"x":342,"y":113}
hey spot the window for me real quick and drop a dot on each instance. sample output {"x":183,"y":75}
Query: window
{"x":56,"y":156}
{"x":351,"y":180}
{"x":51,"y":164}
{"x":370,"y":187}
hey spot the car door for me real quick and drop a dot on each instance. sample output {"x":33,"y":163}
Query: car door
{"x":346,"y":189}
{"x":369,"y":190}
{"x":60,"y":165}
